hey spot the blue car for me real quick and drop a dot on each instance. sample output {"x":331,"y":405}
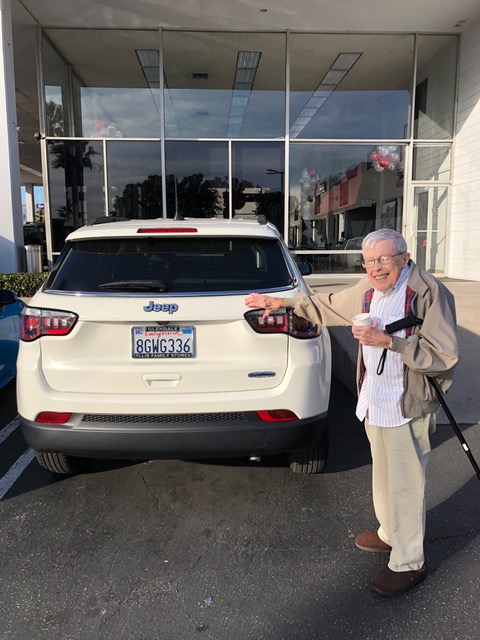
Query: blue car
{"x":10,"y":310}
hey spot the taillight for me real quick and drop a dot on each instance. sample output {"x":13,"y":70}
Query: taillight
{"x":167,"y":230}
{"x":53,"y":417}
{"x":45,"y":322}
{"x":282,"y":322}
{"x":277,"y":415}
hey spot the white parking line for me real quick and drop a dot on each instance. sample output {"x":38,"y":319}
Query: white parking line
{"x":10,"y":428}
{"x":15,"y":471}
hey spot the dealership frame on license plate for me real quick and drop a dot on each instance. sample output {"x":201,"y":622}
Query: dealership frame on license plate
{"x":163,"y":341}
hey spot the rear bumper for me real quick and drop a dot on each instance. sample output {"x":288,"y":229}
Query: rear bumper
{"x":236,"y":435}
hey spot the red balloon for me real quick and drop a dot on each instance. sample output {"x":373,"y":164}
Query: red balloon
{"x":383,"y":162}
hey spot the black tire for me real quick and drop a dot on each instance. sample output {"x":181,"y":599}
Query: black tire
{"x":60,"y":463}
{"x":311,"y":460}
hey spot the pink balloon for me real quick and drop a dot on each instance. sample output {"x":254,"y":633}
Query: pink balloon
{"x":374,"y":156}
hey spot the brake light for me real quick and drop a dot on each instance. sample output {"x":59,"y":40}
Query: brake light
{"x":168,"y":230}
{"x":282,"y":322}
{"x":53,"y":417}
{"x":45,"y":322}
{"x":277,"y":415}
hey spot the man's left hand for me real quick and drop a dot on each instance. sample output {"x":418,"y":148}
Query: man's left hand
{"x":372,"y":336}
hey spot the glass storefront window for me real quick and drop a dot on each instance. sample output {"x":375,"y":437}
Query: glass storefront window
{"x":134,"y":179}
{"x":340,"y":192}
{"x":196,"y":178}
{"x":435,"y":90}
{"x":431,"y":163}
{"x":224,"y":85}
{"x":115,"y":78}
{"x":353,"y":86}
{"x":57,"y":97}
{"x":258,"y":181}
{"x":75,"y":173}
{"x":225,"y":102}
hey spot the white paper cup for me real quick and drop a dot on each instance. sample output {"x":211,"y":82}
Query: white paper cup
{"x":361,"y":320}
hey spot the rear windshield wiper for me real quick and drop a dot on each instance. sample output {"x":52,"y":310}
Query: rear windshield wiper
{"x":134,"y":285}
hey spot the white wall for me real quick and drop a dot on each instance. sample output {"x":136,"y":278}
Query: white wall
{"x":464,"y":236}
{"x":11,"y":232}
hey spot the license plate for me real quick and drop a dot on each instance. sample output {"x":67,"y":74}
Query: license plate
{"x":163,"y":342}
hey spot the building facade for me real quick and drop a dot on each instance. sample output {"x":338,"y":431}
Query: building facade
{"x":329,"y":135}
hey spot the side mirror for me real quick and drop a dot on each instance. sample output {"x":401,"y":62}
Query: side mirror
{"x":7,"y":297}
{"x":304,"y":267}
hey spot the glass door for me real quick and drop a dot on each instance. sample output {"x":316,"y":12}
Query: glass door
{"x":430,"y":217}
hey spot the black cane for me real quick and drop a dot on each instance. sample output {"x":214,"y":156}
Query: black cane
{"x":410,"y":321}
{"x":454,"y":424}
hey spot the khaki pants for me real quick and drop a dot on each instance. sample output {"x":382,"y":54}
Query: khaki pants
{"x":399,"y":460}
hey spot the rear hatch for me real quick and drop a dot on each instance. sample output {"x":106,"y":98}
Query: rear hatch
{"x":183,"y":333}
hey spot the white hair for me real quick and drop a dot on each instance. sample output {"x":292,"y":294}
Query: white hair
{"x":372,"y":238}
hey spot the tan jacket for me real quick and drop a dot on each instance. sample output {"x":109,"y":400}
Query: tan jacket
{"x":431,"y":350}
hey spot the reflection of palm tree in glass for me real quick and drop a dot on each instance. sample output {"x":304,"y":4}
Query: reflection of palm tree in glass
{"x":73,"y":158}
{"x":54,"y":118}
{"x":140,"y":200}
{"x":192,"y":196}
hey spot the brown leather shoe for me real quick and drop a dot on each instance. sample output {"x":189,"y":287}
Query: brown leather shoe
{"x":393,"y":583}
{"x":369,"y":541}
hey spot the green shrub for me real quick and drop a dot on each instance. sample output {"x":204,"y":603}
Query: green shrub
{"x":24,"y":284}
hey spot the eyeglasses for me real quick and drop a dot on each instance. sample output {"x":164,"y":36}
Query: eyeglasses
{"x":369,"y":263}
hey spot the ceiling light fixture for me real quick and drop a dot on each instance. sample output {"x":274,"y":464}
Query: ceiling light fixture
{"x":345,"y":60}
{"x":148,"y":57}
{"x":330,"y":81}
{"x":149,"y":61}
{"x":245,"y":71}
{"x":248,"y":59}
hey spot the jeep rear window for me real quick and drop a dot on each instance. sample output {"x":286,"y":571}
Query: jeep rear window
{"x":171,"y":265}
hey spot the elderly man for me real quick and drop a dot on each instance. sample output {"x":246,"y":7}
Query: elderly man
{"x":395,"y":399}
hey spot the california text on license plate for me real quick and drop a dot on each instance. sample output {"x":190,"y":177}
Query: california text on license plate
{"x":163,"y":342}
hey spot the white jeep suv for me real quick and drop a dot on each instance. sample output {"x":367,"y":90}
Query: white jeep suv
{"x":139,"y":345}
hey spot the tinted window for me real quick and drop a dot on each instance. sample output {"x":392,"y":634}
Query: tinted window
{"x":172,"y":265}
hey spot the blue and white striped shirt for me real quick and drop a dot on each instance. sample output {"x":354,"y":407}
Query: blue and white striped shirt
{"x":380,"y":395}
